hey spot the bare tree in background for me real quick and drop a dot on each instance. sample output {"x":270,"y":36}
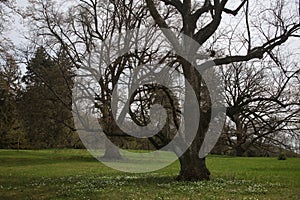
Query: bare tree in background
{"x":92,"y":28}
{"x":261,"y":106}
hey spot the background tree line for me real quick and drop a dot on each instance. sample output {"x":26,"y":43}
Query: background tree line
{"x":36,"y":106}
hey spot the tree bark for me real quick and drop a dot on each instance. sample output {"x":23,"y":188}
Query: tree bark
{"x":240,"y":136}
{"x":193,"y":168}
{"x":239,"y":151}
{"x":109,"y":127}
{"x":112,"y":153}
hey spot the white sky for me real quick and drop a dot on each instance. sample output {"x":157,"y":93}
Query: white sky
{"x":18,"y":28}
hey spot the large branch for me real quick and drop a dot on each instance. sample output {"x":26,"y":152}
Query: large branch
{"x":156,"y":16}
{"x":209,"y":7}
{"x":236,"y":11}
{"x":258,"y":52}
{"x":205,"y":33}
{"x":176,"y":3}
{"x":204,"y":9}
{"x":162,"y":24}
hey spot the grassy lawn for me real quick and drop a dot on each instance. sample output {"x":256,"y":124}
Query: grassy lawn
{"x":74,"y":174}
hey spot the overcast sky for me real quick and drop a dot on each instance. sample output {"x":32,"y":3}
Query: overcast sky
{"x":18,"y":28}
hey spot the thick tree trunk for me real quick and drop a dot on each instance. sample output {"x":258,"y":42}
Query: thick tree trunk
{"x":111,"y":152}
{"x":192,"y":167}
{"x":239,"y":151}
{"x":109,"y":126}
{"x":240,"y":136}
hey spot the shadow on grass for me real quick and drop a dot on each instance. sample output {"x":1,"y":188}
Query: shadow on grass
{"x":24,"y":159}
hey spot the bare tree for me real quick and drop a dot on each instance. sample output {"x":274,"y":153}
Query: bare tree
{"x":91,"y":29}
{"x":202,"y":20}
{"x":261,"y":105}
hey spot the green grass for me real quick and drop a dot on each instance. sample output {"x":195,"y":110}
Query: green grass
{"x":74,"y":174}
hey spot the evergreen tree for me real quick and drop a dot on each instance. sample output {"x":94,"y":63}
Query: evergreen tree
{"x":46,"y":103}
{"x":11,"y":135}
